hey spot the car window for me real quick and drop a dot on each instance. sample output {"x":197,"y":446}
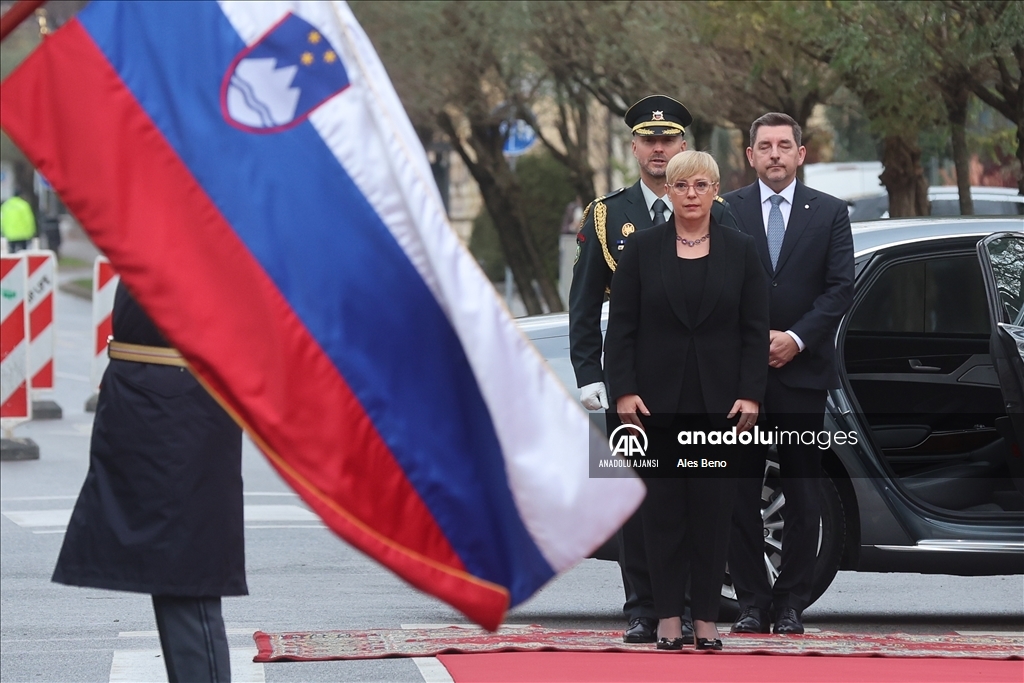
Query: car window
{"x":1006,"y":255}
{"x":943,"y":295}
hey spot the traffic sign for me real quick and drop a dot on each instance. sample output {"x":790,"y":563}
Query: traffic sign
{"x":519,"y":137}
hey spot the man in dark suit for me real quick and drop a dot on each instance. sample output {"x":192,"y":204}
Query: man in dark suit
{"x":658,"y":124}
{"x":806,"y":247}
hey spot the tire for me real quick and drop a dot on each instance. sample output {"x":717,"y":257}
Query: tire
{"x":831,"y":537}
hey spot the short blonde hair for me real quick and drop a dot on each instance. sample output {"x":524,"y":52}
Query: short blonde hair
{"x":690,"y":163}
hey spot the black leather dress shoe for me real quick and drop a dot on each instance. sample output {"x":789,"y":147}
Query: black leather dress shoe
{"x":641,"y":630}
{"x":788,"y":621}
{"x":687,"y":631}
{"x":674,"y":644}
{"x":709,"y":643}
{"x":751,"y":620}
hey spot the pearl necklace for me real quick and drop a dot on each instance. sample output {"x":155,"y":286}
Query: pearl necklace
{"x":694,"y":242}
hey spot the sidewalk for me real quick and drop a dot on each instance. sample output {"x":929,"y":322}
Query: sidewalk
{"x":75,"y":244}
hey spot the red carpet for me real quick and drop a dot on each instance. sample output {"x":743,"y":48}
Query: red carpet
{"x":563,"y":667}
{"x":326,"y":645}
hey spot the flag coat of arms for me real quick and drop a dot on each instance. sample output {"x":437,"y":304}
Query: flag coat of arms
{"x":251,"y":174}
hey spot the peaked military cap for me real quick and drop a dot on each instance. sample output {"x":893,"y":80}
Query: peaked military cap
{"x":658,"y":115}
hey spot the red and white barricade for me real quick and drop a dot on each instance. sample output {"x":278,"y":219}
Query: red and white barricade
{"x":42,"y":282}
{"x":15,"y":405}
{"x":104,"y":284}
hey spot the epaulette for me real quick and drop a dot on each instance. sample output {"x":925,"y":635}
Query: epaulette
{"x":586,"y":211}
{"x":611,"y":194}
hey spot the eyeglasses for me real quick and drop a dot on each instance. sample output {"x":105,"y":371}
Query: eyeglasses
{"x":700,"y":187}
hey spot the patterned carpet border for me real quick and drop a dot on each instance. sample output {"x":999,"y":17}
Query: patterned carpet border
{"x":326,"y":645}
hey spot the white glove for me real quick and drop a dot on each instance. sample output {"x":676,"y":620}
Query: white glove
{"x":594,"y":397}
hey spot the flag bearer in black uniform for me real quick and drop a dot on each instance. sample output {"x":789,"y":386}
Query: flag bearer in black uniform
{"x":161,"y":508}
{"x":658,"y":124}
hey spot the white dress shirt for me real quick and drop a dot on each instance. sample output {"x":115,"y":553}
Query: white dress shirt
{"x":650,"y":198}
{"x":786,"y":207}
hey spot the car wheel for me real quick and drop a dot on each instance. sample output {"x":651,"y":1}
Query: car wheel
{"x":831,"y":536}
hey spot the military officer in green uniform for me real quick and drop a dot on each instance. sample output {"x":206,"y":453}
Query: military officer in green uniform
{"x":658,"y":124}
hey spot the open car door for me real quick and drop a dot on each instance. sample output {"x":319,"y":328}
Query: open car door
{"x":1002,"y":267}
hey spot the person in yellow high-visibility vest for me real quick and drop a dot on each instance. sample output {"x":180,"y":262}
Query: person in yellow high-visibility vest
{"x":17,"y":222}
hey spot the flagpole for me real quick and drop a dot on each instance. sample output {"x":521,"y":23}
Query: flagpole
{"x":17,"y":14}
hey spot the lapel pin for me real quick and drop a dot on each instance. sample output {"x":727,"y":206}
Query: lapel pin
{"x":807,"y":206}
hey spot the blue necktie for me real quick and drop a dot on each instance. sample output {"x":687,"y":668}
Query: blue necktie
{"x":776,"y":229}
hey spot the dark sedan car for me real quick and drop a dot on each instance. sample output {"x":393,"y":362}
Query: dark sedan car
{"x":932,"y":366}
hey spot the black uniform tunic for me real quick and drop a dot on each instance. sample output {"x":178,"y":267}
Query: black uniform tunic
{"x":161,"y":508}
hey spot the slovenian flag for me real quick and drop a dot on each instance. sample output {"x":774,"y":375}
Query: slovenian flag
{"x":250,"y":172}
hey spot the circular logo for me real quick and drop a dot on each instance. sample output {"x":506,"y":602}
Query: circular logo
{"x":629,"y":441}
{"x":628,"y":229}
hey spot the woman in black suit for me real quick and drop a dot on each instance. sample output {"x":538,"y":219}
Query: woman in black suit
{"x":687,"y":349}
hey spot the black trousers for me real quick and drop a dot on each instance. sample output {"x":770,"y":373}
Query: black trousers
{"x":686,"y":524}
{"x":636,"y":579}
{"x":786,"y":408}
{"x":193,"y":639}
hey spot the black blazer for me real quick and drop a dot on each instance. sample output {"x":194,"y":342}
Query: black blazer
{"x":812,"y":286}
{"x":626,"y":214}
{"x":650,"y":330}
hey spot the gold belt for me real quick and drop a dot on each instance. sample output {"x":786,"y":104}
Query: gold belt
{"x":139,"y":353}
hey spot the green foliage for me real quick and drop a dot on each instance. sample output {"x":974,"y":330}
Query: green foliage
{"x":486,"y":247}
{"x":853,"y":140}
{"x":546,"y":192}
{"x":991,"y":136}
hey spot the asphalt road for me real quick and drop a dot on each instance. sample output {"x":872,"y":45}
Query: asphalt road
{"x":302,"y":577}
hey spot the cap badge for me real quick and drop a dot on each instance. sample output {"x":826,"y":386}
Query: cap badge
{"x":628,"y":229}
{"x":657,"y":115}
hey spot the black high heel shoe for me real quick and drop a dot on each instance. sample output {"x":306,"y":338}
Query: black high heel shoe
{"x":708,"y":644}
{"x":673,"y":644}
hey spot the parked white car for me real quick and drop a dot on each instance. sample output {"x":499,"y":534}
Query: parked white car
{"x":945,"y":201}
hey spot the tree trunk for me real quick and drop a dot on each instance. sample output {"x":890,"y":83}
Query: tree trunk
{"x":701,"y":131}
{"x":502,"y":197}
{"x":903,"y":177}
{"x":749,"y":174}
{"x":955,"y":95}
{"x":573,"y":126}
{"x":961,"y":160}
